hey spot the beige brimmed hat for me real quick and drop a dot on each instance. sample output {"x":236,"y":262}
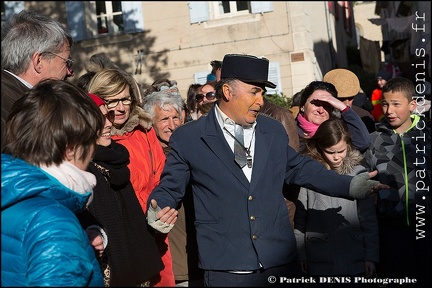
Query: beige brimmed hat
{"x":346,"y":82}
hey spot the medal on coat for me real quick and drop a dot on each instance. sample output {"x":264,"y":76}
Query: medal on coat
{"x":248,"y":159}
{"x":247,"y":150}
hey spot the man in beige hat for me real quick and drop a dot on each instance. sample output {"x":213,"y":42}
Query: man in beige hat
{"x":348,"y":86}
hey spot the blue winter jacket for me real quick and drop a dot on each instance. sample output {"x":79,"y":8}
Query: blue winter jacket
{"x":42,"y":241}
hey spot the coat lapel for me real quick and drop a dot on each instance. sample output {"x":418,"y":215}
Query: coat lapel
{"x":215,"y":140}
{"x":263,"y":142}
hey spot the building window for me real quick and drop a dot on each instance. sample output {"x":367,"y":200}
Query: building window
{"x":230,"y":8}
{"x":274,"y":77}
{"x":203,"y":11}
{"x":109,"y":17}
{"x":91,"y":19}
{"x":201,"y":77}
{"x":3,"y":11}
{"x":10,"y":7}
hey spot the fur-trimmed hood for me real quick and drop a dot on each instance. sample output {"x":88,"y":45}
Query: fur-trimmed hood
{"x":137,"y":117}
{"x":352,"y":160}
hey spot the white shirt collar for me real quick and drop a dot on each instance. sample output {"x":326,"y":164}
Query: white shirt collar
{"x":224,"y":120}
{"x":20,"y":79}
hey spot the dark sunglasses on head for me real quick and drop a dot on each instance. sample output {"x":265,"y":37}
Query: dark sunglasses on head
{"x":110,"y":116}
{"x":208,"y":95}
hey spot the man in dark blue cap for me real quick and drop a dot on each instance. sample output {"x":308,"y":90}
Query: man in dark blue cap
{"x":243,"y":229}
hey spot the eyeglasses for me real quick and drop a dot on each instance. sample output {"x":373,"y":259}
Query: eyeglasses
{"x":208,"y":95}
{"x":113,"y":103}
{"x":110,"y":115}
{"x":68,"y":61}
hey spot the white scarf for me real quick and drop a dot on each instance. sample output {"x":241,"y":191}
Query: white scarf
{"x":72,"y":177}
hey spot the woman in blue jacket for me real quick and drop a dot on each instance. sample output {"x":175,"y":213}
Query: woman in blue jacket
{"x":48,"y":142}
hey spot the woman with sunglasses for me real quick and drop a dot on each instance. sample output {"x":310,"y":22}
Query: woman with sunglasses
{"x":131,"y":255}
{"x":206,"y":94}
{"x":318,"y":102}
{"x":132,"y":127}
{"x":191,"y":102}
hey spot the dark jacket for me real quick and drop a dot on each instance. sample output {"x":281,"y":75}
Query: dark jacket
{"x":288,"y":121}
{"x":361,"y":100}
{"x":366,"y":117}
{"x":404,"y":215}
{"x":132,"y":252}
{"x":182,"y":241}
{"x":11,"y":90}
{"x":335,"y":235}
{"x":240,"y":224}
{"x":402,"y":159}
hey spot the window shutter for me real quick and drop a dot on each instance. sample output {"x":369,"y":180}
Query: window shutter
{"x":13,"y":7}
{"x":201,"y":77}
{"x":198,"y":11}
{"x":261,"y":6}
{"x":76,"y":20}
{"x":274,"y":77}
{"x":133,"y":16}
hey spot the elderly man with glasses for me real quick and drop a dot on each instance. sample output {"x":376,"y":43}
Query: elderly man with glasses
{"x":34,"y":47}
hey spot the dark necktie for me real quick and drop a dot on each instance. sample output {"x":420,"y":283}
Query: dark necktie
{"x":239,"y":151}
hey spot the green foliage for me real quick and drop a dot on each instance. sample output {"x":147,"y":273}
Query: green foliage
{"x":279,"y":99}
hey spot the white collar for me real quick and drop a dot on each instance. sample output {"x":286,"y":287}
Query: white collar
{"x":72,"y":177}
{"x":20,"y":79}
{"x":224,"y":120}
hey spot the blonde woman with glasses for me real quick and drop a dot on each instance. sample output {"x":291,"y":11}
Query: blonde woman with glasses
{"x":132,"y":127}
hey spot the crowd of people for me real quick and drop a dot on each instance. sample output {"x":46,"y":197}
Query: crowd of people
{"x":105,"y":183}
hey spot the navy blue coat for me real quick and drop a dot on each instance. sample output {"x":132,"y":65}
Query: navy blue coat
{"x":240,"y":224}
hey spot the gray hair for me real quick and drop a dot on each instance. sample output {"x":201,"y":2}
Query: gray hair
{"x":26,"y":33}
{"x":163,"y":100}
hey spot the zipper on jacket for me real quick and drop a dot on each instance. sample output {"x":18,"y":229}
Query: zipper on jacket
{"x":406,"y":178}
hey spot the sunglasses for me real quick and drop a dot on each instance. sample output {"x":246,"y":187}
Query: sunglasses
{"x":68,"y":61}
{"x":346,"y":98}
{"x":208,"y":95}
{"x":110,"y":116}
